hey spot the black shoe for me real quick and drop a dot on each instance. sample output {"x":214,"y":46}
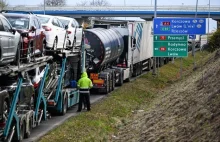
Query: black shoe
{"x":88,"y":109}
{"x":78,"y":110}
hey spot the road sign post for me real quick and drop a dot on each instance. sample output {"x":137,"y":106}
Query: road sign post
{"x":170,"y":45}
{"x":154,"y":59}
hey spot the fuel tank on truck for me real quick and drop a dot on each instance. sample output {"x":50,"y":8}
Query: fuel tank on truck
{"x":103,"y":46}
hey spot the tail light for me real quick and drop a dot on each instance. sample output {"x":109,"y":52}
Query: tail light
{"x":46,"y":28}
{"x":69,"y":32}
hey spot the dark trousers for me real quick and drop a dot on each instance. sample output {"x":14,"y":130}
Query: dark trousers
{"x":84,"y":97}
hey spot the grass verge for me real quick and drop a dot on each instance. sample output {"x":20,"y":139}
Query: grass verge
{"x":109,"y":115}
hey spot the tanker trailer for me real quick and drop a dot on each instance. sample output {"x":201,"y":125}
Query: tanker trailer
{"x":103,"y":49}
{"x":105,"y":46}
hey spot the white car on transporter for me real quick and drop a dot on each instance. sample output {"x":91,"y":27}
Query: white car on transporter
{"x":54,"y":30}
{"x":74,"y":29}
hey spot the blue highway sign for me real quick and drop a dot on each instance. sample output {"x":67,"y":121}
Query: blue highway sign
{"x":179,"y":26}
{"x":192,"y":36}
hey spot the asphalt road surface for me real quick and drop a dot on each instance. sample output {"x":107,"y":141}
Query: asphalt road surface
{"x":55,"y":121}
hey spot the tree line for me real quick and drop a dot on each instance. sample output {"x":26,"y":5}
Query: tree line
{"x":4,"y":3}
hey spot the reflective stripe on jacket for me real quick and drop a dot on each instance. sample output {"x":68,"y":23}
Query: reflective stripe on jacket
{"x":83,"y":90}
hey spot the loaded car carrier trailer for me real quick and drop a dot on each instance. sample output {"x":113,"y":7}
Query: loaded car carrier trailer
{"x":23,"y":108}
{"x":17,"y":114}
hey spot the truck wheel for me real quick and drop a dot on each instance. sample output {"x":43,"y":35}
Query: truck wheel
{"x":110,"y":84}
{"x":113,"y":84}
{"x":113,"y":81}
{"x":121,"y":79}
{"x":28,"y":133}
{"x":107,"y":88}
{"x":65,"y":105}
{"x":21,"y":136}
{"x":6,"y":108}
{"x":22,"y":132}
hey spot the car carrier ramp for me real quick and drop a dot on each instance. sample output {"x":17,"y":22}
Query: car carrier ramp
{"x":12,"y":69}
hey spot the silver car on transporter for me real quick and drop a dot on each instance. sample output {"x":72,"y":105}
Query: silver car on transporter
{"x":9,"y":42}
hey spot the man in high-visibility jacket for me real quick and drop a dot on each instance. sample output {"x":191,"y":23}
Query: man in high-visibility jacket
{"x":84,"y":85}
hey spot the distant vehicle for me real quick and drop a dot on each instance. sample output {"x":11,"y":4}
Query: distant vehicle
{"x":33,"y":38}
{"x":73,"y":30}
{"x":55,"y":32}
{"x":9,"y":42}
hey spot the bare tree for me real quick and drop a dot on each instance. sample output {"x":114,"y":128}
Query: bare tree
{"x":3,"y":4}
{"x":98,"y":3}
{"x":83,"y":3}
{"x":93,"y":3}
{"x":55,"y":2}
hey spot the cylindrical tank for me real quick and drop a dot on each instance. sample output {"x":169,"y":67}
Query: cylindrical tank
{"x":106,"y":45}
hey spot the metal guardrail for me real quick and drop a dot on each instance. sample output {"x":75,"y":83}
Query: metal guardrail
{"x":201,"y":8}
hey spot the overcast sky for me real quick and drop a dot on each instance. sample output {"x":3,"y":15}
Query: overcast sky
{"x":130,"y":2}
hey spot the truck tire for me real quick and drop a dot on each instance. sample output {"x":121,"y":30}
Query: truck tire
{"x":107,"y":88}
{"x":110,"y":82}
{"x":28,"y":134}
{"x":22,"y":132}
{"x":65,"y":104}
{"x":121,"y":79}
{"x":113,"y":81}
